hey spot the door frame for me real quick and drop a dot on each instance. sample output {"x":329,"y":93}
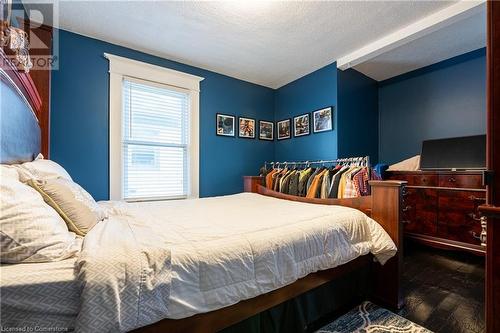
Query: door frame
{"x":491,"y":211}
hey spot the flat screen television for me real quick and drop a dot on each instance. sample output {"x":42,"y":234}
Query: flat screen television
{"x":463,"y":153}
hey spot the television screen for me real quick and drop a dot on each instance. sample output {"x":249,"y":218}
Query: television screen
{"x":464,"y":153}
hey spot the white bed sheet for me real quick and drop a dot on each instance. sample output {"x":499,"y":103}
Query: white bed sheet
{"x":39,"y":295}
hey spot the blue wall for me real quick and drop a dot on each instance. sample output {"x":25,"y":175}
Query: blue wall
{"x":443,"y":100}
{"x":357,"y":115}
{"x":311,"y":92}
{"x":355,"y":100}
{"x":447,"y":99}
{"x":80,"y":118}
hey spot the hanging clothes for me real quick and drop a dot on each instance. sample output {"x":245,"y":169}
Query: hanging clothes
{"x":279,"y":181}
{"x":323,"y":174}
{"x":304,"y":176}
{"x":334,"y":188}
{"x":269,"y":178}
{"x":327,"y":182}
{"x":348,"y":179}
{"x":311,"y":179}
{"x":361,"y":182}
{"x":293,"y":188}
{"x":285,"y":184}
{"x":315,"y":187}
{"x":349,"y":190}
{"x":325,"y":185}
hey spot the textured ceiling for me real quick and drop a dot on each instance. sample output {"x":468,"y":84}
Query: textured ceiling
{"x":268,"y":43}
{"x":458,"y":38}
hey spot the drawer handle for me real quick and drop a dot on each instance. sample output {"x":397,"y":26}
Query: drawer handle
{"x":474,"y":217}
{"x":406,"y":221}
{"x":483,"y":235}
{"x":407,"y":208}
{"x":452,"y":180}
{"x":474,"y":198}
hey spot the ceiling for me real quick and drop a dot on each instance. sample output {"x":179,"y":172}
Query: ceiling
{"x":268,"y":43}
{"x":463,"y":36}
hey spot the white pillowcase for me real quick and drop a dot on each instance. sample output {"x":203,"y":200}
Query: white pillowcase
{"x":30,"y":230}
{"x":75,"y":205}
{"x":410,"y":164}
{"x":41,"y":169}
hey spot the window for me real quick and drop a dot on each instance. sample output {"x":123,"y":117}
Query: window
{"x":153,"y":132}
{"x":155,"y":141}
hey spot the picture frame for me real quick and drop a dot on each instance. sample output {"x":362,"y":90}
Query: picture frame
{"x":302,"y":125}
{"x":266,"y":130}
{"x":225,"y":125}
{"x":323,"y":120}
{"x":246,"y":127}
{"x":283,"y":129}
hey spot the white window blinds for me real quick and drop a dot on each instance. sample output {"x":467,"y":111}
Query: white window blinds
{"x":155,"y":141}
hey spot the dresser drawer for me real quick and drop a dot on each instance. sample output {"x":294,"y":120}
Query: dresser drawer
{"x":420,"y":211}
{"x":416,"y":179}
{"x":457,"y":215}
{"x":423,"y":180}
{"x":460,"y":181}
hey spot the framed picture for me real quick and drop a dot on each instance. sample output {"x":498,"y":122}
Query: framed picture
{"x":323,"y":120}
{"x":283,"y":127}
{"x":266,"y":130}
{"x":246,"y":128}
{"x":301,"y":125}
{"x":225,"y":124}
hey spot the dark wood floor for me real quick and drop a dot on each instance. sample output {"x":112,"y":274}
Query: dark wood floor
{"x":444,"y":290}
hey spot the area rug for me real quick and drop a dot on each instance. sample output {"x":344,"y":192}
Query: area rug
{"x":369,"y":318}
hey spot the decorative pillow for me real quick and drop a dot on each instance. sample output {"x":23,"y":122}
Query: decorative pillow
{"x":41,"y":169}
{"x":75,"y":205}
{"x":30,"y":230}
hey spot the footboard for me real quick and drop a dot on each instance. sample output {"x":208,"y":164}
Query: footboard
{"x":384,"y":205}
{"x":387,"y":206}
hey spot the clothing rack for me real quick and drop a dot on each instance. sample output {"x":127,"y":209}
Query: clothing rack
{"x":338,"y":178}
{"x":361,"y":161}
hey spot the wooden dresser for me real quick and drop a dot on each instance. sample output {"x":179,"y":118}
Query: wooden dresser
{"x":440,"y":208}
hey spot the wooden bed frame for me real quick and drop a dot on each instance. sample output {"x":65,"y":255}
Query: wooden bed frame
{"x":384,"y":206}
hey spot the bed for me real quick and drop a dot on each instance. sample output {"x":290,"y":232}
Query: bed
{"x":199,"y":265}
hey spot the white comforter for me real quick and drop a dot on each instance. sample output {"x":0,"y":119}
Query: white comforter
{"x":151,"y":261}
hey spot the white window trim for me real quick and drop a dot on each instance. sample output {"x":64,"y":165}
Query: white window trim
{"x":120,"y":67}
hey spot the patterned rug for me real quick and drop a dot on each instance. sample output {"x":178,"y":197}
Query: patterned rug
{"x":369,"y":318}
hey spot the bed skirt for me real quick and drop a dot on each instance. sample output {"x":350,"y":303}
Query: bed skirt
{"x":311,"y":310}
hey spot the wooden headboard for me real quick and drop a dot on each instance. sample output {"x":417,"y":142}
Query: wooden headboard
{"x":20,"y":111}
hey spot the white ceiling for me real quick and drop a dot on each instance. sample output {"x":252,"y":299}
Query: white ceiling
{"x":458,"y":38}
{"x":268,"y":43}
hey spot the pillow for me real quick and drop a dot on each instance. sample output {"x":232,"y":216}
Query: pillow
{"x":30,"y":230}
{"x":410,"y":164}
{"x":75,"y":205}
{"x":41,"y":169}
